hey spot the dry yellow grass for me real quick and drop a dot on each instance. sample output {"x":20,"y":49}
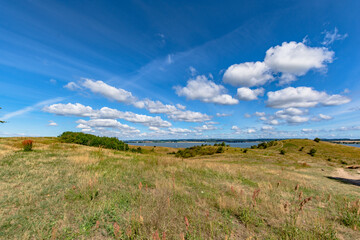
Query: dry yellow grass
{"x":67,"y":191}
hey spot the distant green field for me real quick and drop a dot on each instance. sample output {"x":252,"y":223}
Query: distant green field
{"x":68,"y":191}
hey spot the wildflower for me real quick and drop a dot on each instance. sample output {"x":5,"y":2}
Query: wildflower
{"x":116,"y":230}
{"x":97,"y":224}
{"x":187,"y":223}
{"x":156,"y":235}
{"x":27,"y":145}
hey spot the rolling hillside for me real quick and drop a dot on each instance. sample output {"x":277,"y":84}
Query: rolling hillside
{"x":68,"y":191}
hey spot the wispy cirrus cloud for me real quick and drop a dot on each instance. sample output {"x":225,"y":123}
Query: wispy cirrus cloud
{"x":332,"y":36}
{"x":30,"y":108}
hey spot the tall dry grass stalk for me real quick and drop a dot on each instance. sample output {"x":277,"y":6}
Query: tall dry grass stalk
{"x":254,"y":196}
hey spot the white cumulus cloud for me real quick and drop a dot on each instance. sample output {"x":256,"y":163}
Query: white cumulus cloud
{"x":108,"y":91}
{"x":322,"y":117}
{"x":222,"y":114}
{"x":283,"y":114}
{"x":72,"y":86}
{"x":99,"y":124}
{"x":260,"y":114}
{"x":80,"y":110}
{"x":248,"y":74}
{"x":303,"y":97}
{"x":205,"y":127}
{"x":296,"y":59}
{"x":205,"y":90}
{"x":70,"y":109}
{"x":325,"y":117}
{"x":267,"y":128}
{"x":307,"y":130}
{"x":247,"y":94}
{"x":52,"y":123}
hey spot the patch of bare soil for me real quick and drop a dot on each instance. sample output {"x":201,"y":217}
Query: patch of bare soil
{"x":346,"y":177}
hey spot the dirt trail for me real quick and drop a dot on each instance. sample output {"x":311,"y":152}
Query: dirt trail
{"x":346,"y":177}
{"x":340,"y":172}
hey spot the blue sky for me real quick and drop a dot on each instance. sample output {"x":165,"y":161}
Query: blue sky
{"x":180,"y":69}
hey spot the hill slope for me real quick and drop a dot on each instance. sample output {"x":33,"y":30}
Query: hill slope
{"x":66,"y":191}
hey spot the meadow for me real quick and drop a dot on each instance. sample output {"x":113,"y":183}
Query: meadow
{"x":70,"y":191}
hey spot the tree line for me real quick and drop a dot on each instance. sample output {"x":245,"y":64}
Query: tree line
{"x":94,"y":141}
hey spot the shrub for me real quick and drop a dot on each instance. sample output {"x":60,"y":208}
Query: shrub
{"x":199,"y":150}
{"x":302,"y":148}
{"x":220,"y":150}
{"x":312,"y":152}
{"x":245,"y":150}
{"x":92,"y":140}
{"x":265,"y":145}
{"x":27,"y":145}
{"x":262,"y":145}
{"x":317,"y":139}
{"x":282,"y":152}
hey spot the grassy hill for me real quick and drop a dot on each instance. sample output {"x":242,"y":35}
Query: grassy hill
{"x":69,"y":191}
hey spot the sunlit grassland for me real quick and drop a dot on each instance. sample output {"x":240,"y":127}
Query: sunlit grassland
{"x":68,"y":191}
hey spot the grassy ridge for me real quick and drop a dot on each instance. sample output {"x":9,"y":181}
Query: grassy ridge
{"x":67,"y":191}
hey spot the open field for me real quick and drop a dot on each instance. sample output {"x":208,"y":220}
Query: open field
{"x":68,"y":191}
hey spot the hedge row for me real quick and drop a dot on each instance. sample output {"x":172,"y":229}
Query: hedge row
{"x":94,"y":141}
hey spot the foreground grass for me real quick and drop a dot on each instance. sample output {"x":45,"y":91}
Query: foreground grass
{"x":67,"y":191}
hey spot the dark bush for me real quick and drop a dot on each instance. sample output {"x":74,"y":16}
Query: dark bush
{"x":220,"y":150}
{"x":302,"y":148}
{"x":245,"y":150}
{"x":317,"y":139}
{"x":312,"y":152}
{"x":282,"y":152}
{"x":199,"y":150}
{"x":262,"y":145}
{"x":94,"y":141}
{"x":265,"y":145}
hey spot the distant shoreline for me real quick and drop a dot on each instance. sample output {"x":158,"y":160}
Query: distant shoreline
{"x":340,"y":141}
{"x":346,"y":142}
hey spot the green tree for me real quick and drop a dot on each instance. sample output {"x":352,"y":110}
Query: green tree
{"x":0,"y":120}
